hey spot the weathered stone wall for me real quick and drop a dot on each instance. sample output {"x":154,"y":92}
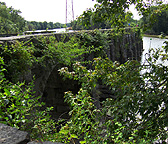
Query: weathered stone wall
{"x":123,"y":46}
{"x":54,"y":90}
{"x":127,"y":46}
{"x":49,"y":84}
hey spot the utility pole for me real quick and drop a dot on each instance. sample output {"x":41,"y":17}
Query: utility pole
{"x":69,"y":11}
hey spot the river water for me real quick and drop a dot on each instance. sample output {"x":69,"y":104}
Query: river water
{"x":149,"y":42}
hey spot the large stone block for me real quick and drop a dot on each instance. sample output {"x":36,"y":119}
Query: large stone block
{"x":10,"y":135}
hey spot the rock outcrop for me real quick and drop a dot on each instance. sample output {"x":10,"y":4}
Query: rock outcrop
{"x":11,"y":135}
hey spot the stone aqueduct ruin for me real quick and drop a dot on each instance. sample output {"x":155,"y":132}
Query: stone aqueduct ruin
{"x":51,"y":85}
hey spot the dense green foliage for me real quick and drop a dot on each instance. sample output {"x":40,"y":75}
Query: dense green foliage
{"x":87,"y":21}
{"x":106,"y":14}
{"x":160,"y":23}
{"x":18,"y":105}
{"x":21,"y":109}
{"x":33,"y":25}
{"x":136,"y":109}
{"x":20,"y":56}
{"x":135,"y":113}
{"x":110,"y":14}
{"x":132,"y":114}
{"x":10,"y":20}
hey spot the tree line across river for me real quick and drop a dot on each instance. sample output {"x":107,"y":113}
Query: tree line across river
{"x":11,"y":22}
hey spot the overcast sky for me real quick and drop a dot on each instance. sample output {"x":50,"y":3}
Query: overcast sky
{"x":48,"y":10}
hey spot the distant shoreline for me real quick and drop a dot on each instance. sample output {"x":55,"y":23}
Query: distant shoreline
{"x":154,"y":36}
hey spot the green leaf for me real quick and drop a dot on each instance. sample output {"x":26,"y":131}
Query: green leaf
{"x":7,"y":92}
{"x":82,"y":142}
{"x":64,"y":132}
{"x":74,"y":136}
{"x":27,"y":96}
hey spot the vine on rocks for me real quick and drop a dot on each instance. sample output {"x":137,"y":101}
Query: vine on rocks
{"x":18,"y":104}
{"x":21,"y":56}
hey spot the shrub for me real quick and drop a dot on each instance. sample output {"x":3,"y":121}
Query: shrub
{"x":134,"y":112}
{"x":21,"y":109}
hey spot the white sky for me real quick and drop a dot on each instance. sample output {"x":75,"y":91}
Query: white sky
{"x":48,"y":10}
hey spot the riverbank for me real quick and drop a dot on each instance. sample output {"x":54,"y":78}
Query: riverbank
{"x":155,"y":36}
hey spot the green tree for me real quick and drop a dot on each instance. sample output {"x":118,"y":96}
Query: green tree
{"x":10,"y":20}
{"x":134,"y":112}
{"x":161,"y":20}
{"x":114,"y":12}
{"x":21,"y":109}
{"x":136,"y":109}
{"x":43,"y":25}
{"x":51,"y":25}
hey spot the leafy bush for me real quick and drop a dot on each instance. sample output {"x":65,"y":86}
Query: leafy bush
{"x":19,"y":57}
{"x":21,"y":109}
{"x":134,"y":112}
